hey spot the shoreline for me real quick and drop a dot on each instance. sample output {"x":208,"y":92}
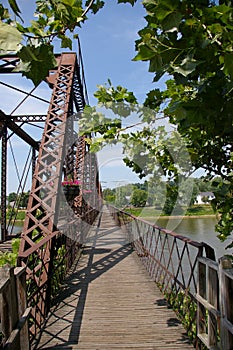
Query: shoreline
{"x":180,"y":216}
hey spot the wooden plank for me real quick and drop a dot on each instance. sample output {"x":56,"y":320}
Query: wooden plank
{"x":109,"y":301}
{"x":20,"y":277}
{"x":226,"y":336}
{"x":14,"y":340}
{"x":213,"y":299}
{"x":9,"y":311}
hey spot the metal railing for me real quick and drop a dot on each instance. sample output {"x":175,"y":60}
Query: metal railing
{"x":214,"y":303}
{"x":171,"y":260}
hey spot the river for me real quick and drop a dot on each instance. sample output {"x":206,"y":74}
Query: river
{"x":200,"y":229}
{"x":16,"y":229}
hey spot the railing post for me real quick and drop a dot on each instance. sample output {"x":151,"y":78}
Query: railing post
{"x":20,"y":277}
{"x":13,"y":309}
{"x":226,"y":290}
{"x":9,"y":307}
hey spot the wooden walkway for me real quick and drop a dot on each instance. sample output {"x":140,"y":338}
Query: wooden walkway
{"x":109,"y":302}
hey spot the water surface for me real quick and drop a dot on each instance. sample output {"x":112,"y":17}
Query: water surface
{"x":201,"y":229}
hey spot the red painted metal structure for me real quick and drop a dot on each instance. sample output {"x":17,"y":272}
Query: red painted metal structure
{"x":54,"y":230}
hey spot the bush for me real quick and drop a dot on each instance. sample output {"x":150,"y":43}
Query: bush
{"x":10,"y":258}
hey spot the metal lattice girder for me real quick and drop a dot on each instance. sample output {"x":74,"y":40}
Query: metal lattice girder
{"x":6,"y":120}
{"x":60,"y":152}
{"x":37,"y":241}
{"x":29,"y":118}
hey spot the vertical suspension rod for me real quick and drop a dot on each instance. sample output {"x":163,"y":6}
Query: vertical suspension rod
{"x":33,"y":160}
{"x":3,"y":184}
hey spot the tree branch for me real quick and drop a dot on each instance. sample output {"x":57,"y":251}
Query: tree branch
{"x":71,"y":26}
{"x":88,"y":8}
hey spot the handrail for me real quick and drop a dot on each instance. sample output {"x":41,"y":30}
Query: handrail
{"x":170,"y":259}
{"x":14,"y":313}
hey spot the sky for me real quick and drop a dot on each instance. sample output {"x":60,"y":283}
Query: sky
{"x":108,"y":47}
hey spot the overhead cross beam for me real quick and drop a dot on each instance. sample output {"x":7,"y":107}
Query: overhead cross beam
{"x":4,"y":119}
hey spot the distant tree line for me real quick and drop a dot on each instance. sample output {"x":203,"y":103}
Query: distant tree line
{"x":18,"y":200}
{"x":160,"y":194}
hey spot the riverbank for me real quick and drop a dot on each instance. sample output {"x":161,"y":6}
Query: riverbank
{"x":178,"y":217}
{"x":195,"y":211}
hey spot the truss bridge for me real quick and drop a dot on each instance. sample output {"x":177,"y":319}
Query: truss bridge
{"x":89,"y":275}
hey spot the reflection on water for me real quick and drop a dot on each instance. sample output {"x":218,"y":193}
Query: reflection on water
{"x":198,"y":229}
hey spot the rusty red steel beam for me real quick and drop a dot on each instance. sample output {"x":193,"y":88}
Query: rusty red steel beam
{"x":4,"y":119}
{"x":35,"y":256}
{"x":10,"y":62}
{"x":28,"y":118}
{"x":40,"y":238}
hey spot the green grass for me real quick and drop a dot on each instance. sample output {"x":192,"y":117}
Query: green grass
{"x":145,"y":212}
{"x":201,"y":209}
{"x":21,"y":214}
{"x":196,"y":210}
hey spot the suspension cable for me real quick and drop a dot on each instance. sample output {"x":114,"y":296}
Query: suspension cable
{"x":14,"y":160}
{"x":24,"y":92}
{"x":21,"y":186}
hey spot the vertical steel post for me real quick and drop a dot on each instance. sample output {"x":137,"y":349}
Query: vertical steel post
{"x":3,"y":184}
{"x":33,"y":161}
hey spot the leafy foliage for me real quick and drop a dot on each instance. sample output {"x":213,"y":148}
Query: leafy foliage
{"x":186,"y":310}
{"x":189,"y":41}
{"x":138,"y":198}
{"x":33,"y":43}
{"x":10,"y":258}
{"x":192,"y":42}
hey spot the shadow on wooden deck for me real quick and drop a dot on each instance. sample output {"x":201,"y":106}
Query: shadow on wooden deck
{"x":77,"y":285}
{"x":109,"y":302}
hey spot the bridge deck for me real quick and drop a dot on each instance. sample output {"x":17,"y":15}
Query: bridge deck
{"x":109,"y":302}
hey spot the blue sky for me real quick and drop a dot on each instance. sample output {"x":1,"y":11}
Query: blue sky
{"x":107,"y":42}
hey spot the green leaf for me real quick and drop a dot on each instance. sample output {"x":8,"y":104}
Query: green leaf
{"x":69,"y":2}
{"x":132,"y":2}
{"x":188,"y":65}
{"x":39,"y":60}
{"x":15,"y":245}
{"x":10,"y":38}
{"x":14,"y":7}
{"x":145,"y":53}
{"x":172,"y":22}
{"x":27,"y":54}
{"x":97,"y":6}
{"x":66,"y":42}
{"x":228,"y":64}
{"x":155,"y":63}
{"x":21,"y":28}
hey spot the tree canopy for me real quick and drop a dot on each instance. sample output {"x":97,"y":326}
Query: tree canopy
{"x":189,"y":41}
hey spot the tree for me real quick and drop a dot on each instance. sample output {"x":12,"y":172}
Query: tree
{"x":191,"y":43}
{"x":109,"y":195}
{"x":120,"y":199}
{"x":188,"y":192}
{"x":12,"y":197}
{"x":138,"y":198}
{"x":24,"y":199}
{"x":33,"y":44}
